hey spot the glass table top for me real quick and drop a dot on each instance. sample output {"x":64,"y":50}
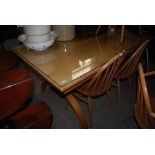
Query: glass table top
{"x":65,"y":62}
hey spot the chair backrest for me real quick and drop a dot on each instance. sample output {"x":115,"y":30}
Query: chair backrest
{"x":102,"y":80}
{"x":16,"y":87}
{"x":144,"y":112}
{"x":130,"y":62}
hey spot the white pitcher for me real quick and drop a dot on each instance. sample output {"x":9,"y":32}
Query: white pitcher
{"x":36,"y":33}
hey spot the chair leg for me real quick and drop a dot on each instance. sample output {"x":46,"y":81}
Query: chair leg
{"x":98,"y":29}
{"x":109,"y":96}
{"x":122,"y":33}
{"x":43,"y":86}
{"x":118,"y":91}
{"x":90,"y":110}
{"x":147,"y":59}
{"x":140,"y":29}
{"x":130,"y":82}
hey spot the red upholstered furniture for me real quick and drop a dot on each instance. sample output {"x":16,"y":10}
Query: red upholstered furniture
{"x":37,"y":116}
{"x":16,"y":86}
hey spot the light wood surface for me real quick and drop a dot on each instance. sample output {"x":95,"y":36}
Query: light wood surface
{"x":66,"y":65}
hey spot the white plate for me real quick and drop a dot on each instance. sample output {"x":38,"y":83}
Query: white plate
{"x":39,"y":46}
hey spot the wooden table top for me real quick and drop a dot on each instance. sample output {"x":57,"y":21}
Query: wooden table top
{"x":66,"y":64}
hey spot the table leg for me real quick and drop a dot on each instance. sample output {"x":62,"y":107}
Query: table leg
{"x":80,"y":114}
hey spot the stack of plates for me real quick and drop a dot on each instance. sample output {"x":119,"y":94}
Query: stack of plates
{"x":39,"y":46}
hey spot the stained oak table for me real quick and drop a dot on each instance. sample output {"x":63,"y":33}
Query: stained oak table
{"x":66,"y":65}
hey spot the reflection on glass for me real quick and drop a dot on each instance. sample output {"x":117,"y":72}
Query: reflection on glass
{"x":85,"y":66}
{"x":65,"y":50}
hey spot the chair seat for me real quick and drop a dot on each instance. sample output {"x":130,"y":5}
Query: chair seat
{"x":91,"y":92}
{"x":36,"y":116}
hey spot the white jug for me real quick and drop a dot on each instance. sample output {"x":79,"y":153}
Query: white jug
{"x":37,"y":33}
{"x":36,"y":29}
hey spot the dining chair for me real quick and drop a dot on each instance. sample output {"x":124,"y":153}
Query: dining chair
{"x":128,"y":66}
{"x":145,"y":104}
{"x":122,"y":32}
{"x":140,"y":33}
{"x":99,"y":84}
{"x":16,"y":87}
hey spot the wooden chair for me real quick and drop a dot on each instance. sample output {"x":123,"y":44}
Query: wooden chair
{"x":16,"y":86}
{"x":128,"y":66}
{"x":122,"y":32}
{"x":99,"y":84}
{"x":145,"y":104}
{"x":122,"y":40}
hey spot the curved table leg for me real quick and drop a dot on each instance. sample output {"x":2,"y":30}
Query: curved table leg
{"x":72,"y":101}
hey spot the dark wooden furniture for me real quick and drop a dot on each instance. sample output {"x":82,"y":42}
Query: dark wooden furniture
{"x":16,"y":86}
{"x":145,"y":104}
